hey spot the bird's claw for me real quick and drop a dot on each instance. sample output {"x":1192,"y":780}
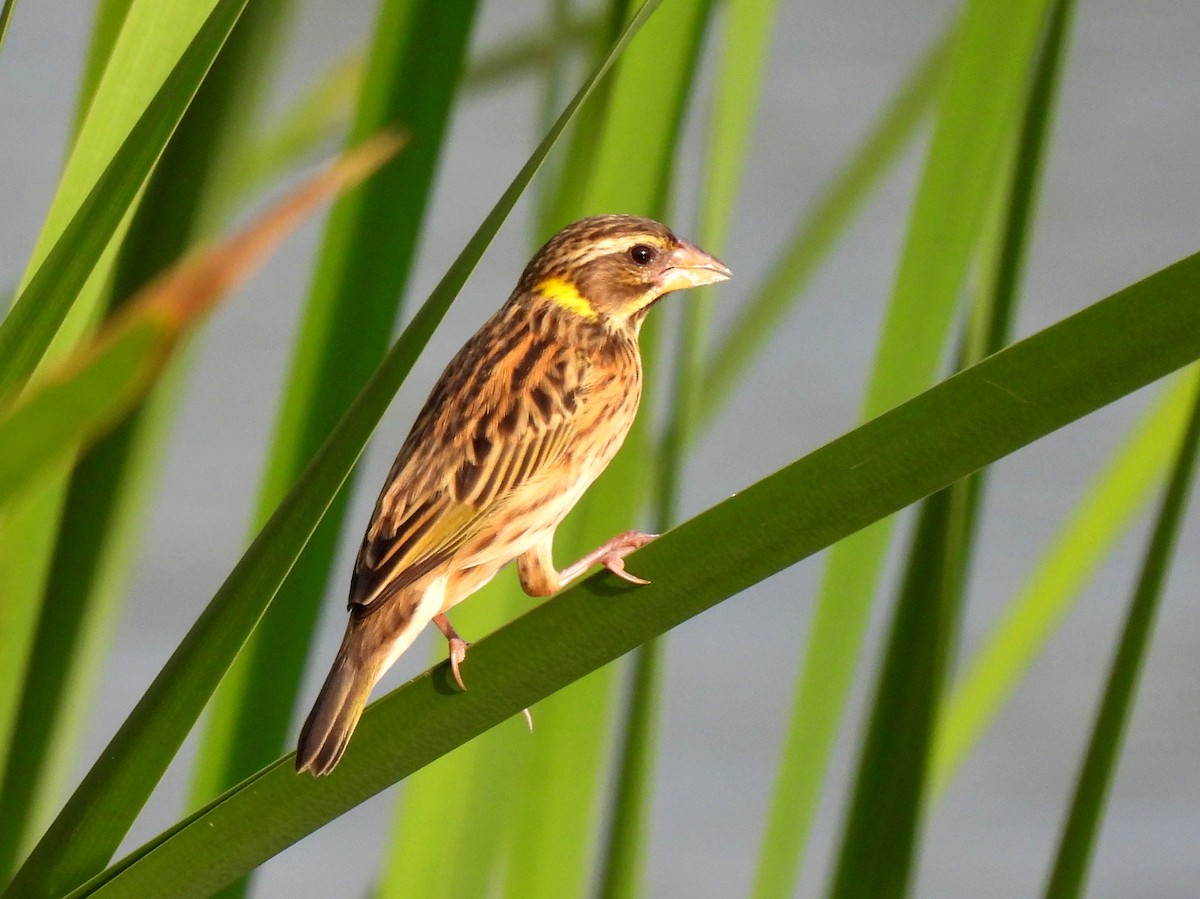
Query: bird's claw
{"x":616,"y":564}
{"x":618,"y":548}
{"x":458,"y":654}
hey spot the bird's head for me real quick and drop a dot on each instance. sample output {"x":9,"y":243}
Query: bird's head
{"x":611,"y":268}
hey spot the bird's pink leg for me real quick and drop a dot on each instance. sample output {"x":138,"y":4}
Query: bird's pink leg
{"x":458,"y":653}
{"x":539,"y":577}
{"x":458,"y":646}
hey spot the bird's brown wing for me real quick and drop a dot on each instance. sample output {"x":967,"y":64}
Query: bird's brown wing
{"x":502,"y":412}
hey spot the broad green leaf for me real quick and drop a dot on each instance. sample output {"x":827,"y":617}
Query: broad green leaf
{"x":1068,"y":877}
{"x":976,"y":417}
{"x":986,"y":80}
{"x":97,"y":815}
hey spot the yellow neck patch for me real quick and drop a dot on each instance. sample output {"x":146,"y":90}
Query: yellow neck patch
{"x":563,"y":292}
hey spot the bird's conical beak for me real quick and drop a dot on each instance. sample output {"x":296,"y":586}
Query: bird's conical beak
{"x":689,"y":266}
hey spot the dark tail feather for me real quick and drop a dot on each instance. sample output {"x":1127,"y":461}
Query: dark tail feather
{"x":333,"y":718}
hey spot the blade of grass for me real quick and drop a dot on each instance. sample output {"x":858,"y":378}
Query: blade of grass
{"x":880,"y":843}
{"x":106,"y":27}
{"x":1109,"y":508}
{"x":5,"y":16}
{"x":324,"y":110}
{"x":565,"y":764}
{"x":99,"y":812}
{"x":745,"y":46}
{"x":876,"y":855}
{"x":367,"y":252}
{"x":28,"y":529}
{"x":988,"y":70}
{"x":982,"y":414}
{"x":484,"y":776}
{"x":452,"y":824}
{"x":152,"y":41}
{"x":1067,"y":878}
{"x":101,"y":516}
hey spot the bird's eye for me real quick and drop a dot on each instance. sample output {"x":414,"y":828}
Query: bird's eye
{"x":641,"y":254}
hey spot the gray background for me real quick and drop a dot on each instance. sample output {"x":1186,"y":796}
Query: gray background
{"x":1120,"y":201}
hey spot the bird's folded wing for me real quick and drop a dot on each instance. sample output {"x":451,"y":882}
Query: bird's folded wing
{"x":449,"y":485}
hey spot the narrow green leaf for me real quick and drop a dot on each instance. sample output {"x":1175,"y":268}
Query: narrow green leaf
{"x":152,"y":39}
{"x":325,"y":109}
{"x":987,"y":74}
{"x":1067,"y":879}
{"x":106,"y":27}
{"x":41,"y":306}
{"x":49,"y":427}
{"x":747,"y":29}
{"x":100,"y":384}
{"x":623,"y":869}
{"x":745,"y":41}
{"x":452,"y":825}
{"x":5,"y":15}
{"x":564,"y":769}
{"x":103,"y":381}
{"x":75,"y":627}
{"x":367,"y":252}
{"x":982,"y":414}
{"x":1109,"y":508}
{"x":95,"y":818}
{"x":881,"y":842}
{"x":876,"y":855}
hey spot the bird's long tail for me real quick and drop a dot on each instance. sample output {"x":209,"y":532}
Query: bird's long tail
{"x":371,"y":646}
{"x":336,"y":712}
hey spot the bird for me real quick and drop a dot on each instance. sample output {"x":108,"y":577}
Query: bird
{"x":523,"y":419}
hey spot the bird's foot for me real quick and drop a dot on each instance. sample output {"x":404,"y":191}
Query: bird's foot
{"x":612,"y":554}
{"x":458,"y":654}
{"x":458,"y":647}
